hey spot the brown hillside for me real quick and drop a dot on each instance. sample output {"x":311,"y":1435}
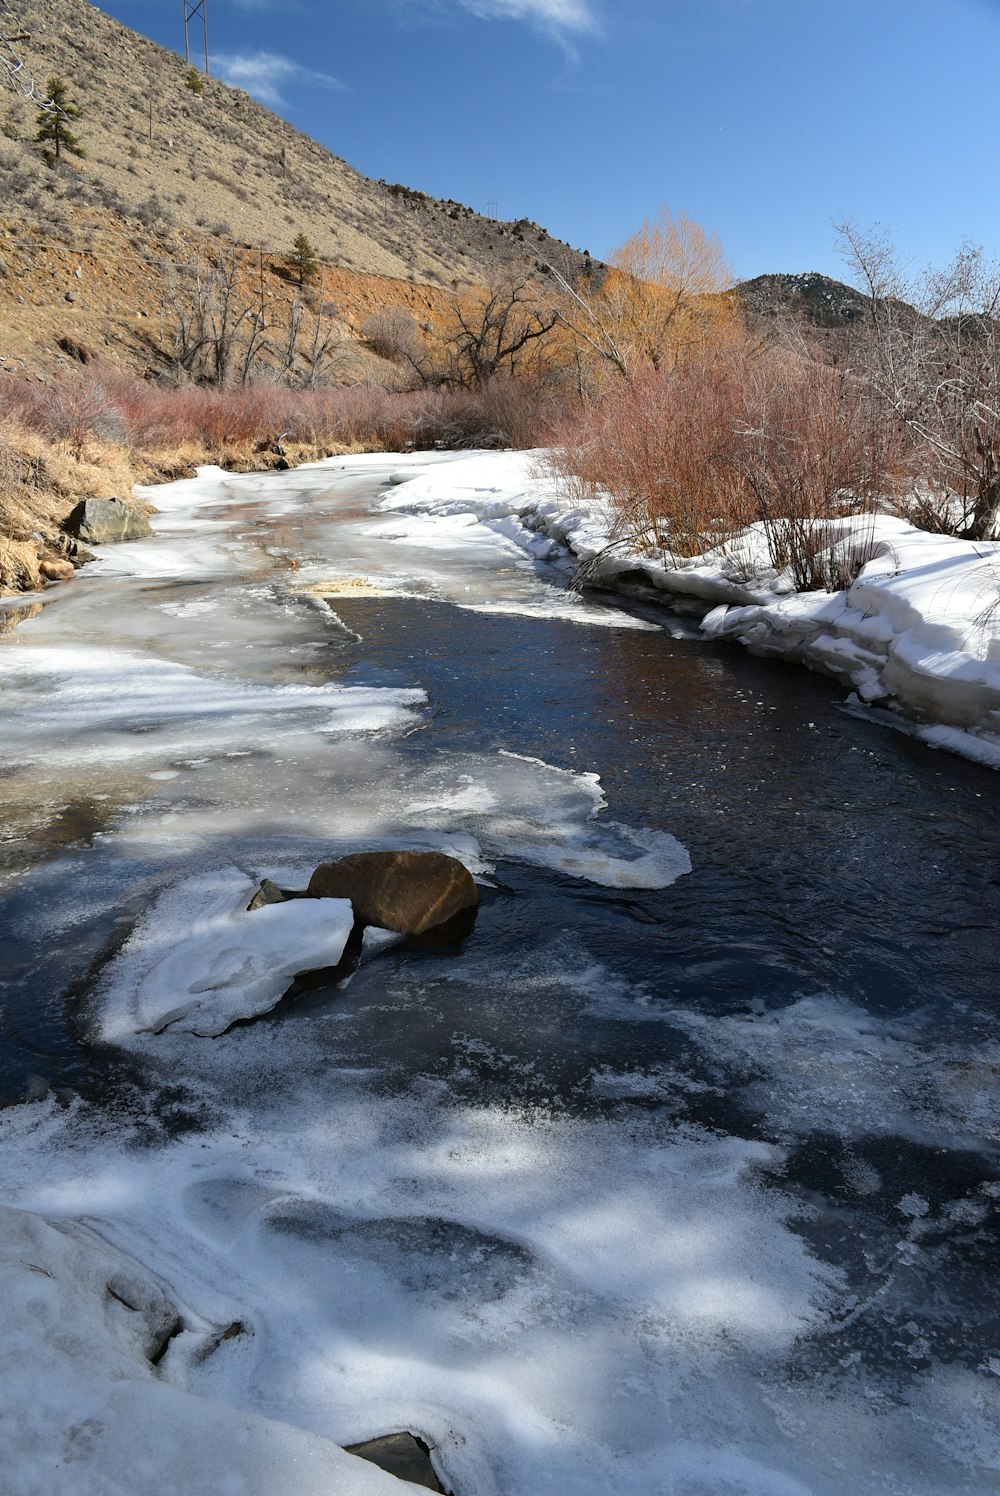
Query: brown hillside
{"x":167,"y":170}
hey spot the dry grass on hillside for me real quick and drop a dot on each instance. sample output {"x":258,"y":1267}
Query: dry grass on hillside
{"x":219,"y":162}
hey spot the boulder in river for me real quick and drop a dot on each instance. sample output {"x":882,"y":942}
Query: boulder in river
{"x":105,"y":521}
{"x":408,"y":892}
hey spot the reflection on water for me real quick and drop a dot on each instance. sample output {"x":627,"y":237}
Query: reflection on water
{"x":12,"y":615}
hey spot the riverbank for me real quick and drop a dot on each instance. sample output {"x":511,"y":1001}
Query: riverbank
{"x":916,"y":637}
{"x":43,"y":478}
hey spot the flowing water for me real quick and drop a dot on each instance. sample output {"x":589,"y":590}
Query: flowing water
{"x":679,"y":1173}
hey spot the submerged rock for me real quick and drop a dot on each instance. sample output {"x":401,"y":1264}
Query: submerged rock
{"x":105,"y":521}
{"x":408,"y":892}
{"x":402,"y":1455}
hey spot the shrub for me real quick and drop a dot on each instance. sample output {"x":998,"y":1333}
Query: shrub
{"x":662,"y":445}
{"x":733,"y":436}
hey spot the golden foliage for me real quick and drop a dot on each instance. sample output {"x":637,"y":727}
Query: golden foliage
{"x":663,"y":295}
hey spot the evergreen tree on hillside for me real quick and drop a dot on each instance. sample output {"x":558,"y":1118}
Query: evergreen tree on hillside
{"x":54,"y":119}
{"x":303,"y":261}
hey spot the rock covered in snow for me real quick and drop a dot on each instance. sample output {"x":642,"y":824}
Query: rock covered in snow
{"x":201,"y":960}
{"x":408,"y":892}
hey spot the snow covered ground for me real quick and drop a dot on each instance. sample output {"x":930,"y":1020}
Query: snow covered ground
{"x":917,"y":635}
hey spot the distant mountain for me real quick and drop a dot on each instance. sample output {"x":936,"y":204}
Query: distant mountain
{"x":815,"y":298}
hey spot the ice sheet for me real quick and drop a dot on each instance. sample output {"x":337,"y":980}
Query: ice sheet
{"x":83,"y":1412}
{"x":199,"y":961}
{"x":587,"y":1292}
{"x":531,"y":811}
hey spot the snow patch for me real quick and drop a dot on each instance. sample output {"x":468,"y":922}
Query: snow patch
{"x":199,"y":961}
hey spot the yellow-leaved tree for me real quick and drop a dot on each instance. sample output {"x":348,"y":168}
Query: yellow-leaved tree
{"x":663,"y":293}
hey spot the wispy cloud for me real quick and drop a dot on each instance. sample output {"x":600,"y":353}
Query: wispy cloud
{"x":267,"y":74}
{"x":553,"y":15}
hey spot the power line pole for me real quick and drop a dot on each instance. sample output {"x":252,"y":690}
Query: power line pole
{"x":193,"y":9}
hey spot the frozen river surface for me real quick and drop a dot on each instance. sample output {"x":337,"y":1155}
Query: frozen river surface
{"x":679,"y":1175}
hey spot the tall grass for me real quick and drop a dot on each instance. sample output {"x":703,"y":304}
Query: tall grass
{"x":146,"y":417}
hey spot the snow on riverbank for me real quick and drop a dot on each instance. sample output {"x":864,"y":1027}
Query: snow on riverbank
{"x":918,"y":632}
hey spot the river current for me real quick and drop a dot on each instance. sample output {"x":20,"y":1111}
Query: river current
{"x":679,"y":1173}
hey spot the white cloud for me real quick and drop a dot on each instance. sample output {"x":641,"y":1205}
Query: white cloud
{"x":266,"y":74}
{"x":555,"y":15}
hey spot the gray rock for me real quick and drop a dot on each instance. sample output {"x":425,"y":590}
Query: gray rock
{"x":402,"y":1455}
{"x":104,"y":521}
{"x":267,"y":893}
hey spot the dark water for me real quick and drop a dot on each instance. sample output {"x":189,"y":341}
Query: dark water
{"x":829,"y":855}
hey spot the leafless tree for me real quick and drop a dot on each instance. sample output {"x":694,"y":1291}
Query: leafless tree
{"x":490,"y":332}
{"x":931,"y":352}
{"x":212,"y":331}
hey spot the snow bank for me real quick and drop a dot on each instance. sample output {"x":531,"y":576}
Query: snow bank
{"x":918,"y":631}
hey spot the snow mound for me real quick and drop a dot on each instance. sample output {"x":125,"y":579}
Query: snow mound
{"x":199,"y":962}
{"x":85,"y":1414}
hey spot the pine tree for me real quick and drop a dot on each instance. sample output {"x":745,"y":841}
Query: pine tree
{"x":54,"y":118}
{"x":303,"y":260}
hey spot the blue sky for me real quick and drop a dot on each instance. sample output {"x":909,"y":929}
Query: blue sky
{"x":765,"y":120}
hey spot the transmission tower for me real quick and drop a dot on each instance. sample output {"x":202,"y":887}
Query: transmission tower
{"x":192,"y":10}
{"x":13,"y":69}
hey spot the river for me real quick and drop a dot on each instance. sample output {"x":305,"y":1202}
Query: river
{"x":678,"y":1174}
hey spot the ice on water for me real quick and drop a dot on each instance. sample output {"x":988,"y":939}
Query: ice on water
{"x":592,"y":1301}
{"x":200,"y":960}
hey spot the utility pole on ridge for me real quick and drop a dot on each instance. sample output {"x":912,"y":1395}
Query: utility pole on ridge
{"x":192,"y":9}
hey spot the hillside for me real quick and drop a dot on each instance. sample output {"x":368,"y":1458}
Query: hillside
{"x":816,"y":299}
{"x":167,"y":173}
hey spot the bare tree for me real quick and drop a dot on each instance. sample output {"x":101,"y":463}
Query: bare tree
{"x":492,"y":331}
{"x":931,"y":352}
{"x":661,"y":295}
{"x":212,"y":331}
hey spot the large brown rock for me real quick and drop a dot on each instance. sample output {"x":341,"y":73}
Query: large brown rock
{"x":408,"y":892}
{"x":54,"y":570}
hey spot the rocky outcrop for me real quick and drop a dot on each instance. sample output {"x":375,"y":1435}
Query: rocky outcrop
{"x":408,"y":892}
{"x":106,"y":521}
